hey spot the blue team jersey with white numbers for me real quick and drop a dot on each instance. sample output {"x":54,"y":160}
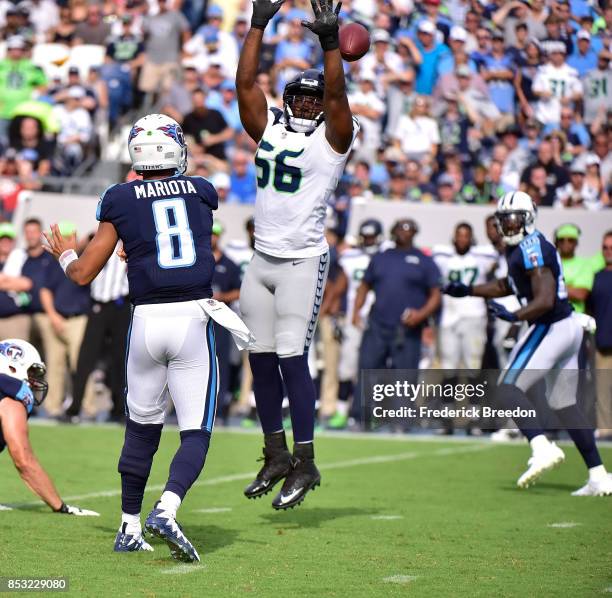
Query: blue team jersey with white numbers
{"x":533,"y":252}
{"x":165,"y":226}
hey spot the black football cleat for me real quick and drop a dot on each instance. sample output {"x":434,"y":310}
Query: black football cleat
{"x":304,"y":477}
{"x":277,"y":465}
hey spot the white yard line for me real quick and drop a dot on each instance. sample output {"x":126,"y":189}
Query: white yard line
{"x":399,"y":578}
{"x":182,"y":569}
{"x":564,"y":524}
{"x":240,"y":477}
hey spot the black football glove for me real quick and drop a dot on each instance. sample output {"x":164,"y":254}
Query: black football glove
{"x":263,"y":11}
{"x":325,"y":24}
{"x":457,"y":289}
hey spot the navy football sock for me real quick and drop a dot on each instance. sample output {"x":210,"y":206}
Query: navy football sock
{"x":345,"y":390}
{"x":188,"y":461}
{"x":512,"y":397}
{"x":577,"y":427}
{"x":302,"y":396}
{"x":139,"y":447}
{"x":268,"y":389}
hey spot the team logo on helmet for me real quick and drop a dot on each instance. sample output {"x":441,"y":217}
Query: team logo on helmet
{"x":13,"y":352}
{"x":173,"y":131}
{"x":135,"y":130}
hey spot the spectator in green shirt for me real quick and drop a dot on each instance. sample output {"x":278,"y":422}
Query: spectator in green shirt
{"x":577,"y":271}
{"x":19,"y":77}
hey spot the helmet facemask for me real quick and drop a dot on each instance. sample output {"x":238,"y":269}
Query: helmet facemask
{"x":37,"y":382}
{"x":303,"y":112}
{"x":515,"y":225}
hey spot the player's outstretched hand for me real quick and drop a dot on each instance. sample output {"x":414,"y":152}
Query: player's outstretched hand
{"x":57,"y":243}
{"x":325,"y":24}
{"x":263,"y":11}
{"x":457,"y":289}
{"x":70,"y":510}
{"x":497,"y":310}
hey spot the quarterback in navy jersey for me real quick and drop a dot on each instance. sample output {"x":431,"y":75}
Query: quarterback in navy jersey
{"x":165,"y":224}
{"x":549,"y":348}
{"x":22,"y":387}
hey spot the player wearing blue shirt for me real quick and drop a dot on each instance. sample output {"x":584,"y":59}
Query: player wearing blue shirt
{"x":165,"y":224}
{"x":549,"y":348}
{"x":22,"y":386}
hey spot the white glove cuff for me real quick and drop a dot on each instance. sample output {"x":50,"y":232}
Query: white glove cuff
{"x":67,"y":258}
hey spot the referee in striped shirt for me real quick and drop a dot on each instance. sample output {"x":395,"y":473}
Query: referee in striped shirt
{"x":105,"y":338}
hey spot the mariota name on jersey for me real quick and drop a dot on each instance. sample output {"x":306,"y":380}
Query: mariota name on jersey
{"x":164,"y":188}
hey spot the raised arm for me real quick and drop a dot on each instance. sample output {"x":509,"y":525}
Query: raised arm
{"x":82,"y":270}
{"x":338,"y":117}
{"x":251,"y":99}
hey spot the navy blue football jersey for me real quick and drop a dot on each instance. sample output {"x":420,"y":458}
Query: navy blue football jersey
{"x":533,"y":252}
{"x":165,"y":226}
{"x":15,"y":389}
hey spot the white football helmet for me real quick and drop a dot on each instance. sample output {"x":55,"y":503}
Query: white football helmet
{"x":516,"y":215}
{"x":21,"y":360}
{"x":156,"y":142}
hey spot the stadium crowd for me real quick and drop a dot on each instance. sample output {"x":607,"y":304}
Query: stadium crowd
{"x":459,"y":101}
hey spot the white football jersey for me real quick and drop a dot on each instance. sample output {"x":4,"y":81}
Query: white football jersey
{"x":471,"y":268}
{"x":354,"y":262}
{"x":561,"y":82}
{"x":296,"y":174}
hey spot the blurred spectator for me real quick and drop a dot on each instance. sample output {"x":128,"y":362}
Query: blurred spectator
{"x":61,"y":326}
{"x":417,"y":134}
{"x":454,"y":126}
{"x":381,"y":64}
{"x":19,"y":78}
{"x":556,"y":84}
{"x":577,"y":272}
{"x":221,"y":182}
{"x":577,"y":193}
{"x":76,"y":129}
{"x":226,"y":102}
{"x":555,"y":175}
{"x":449,"y":61}
{"x":14,"y":287}
{"x":594,"y":179}
{"x":584,"y":58}
{"x":93,"y":30}
{"x":294,"y":53}
{"x":243,"y":186}
{"x":206,"y":126}
{"x":165,"y":33}
{"x":497,"y":71}
{"x":602,"y":149}
{"x":44,"y":15}
{"x":597,"y":96}
{"x":105,"y":338}
{"x":26,"y":137}
{"x":479,"y":190}
{"x":178,"y":101}
{"x":226,"y":288}
{"x":446,"y":192}
{"x":525,"y":74}
{"x":600,"y":305}
{"x":37,"y":263}
{"x":16,"y":174}
{"x":576,"y":134}
{"x":430,"y":54}
{"x":126,"y":49}
{"x":406,"y":284}
{"x":369,"y":109}
{"x":64,"y":32}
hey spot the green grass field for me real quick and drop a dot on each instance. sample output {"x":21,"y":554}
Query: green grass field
{"x":392,"y":517}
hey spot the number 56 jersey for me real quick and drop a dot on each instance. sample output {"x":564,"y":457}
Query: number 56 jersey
{"x":296,"y":174}
{"x":165,"y":225}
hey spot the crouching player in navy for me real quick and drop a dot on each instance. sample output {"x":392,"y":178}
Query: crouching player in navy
{"x":22,"y":386}
{"x":165,"y":224}
{"x":549,"y":348}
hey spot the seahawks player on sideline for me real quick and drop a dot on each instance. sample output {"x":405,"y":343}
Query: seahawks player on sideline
{"x":549,"y":347}
{"x":165,"y":224}
{"x":301,"y":155}
{"x":22,"y":386}
{"x":354,"y":262}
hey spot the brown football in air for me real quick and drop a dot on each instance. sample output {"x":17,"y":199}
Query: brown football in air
{"x":354,"y":41}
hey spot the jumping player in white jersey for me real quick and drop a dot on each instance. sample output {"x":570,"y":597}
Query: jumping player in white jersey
{"x":549,"y":348}
{"x":301,"y":155}
{"x":165,"y":224}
